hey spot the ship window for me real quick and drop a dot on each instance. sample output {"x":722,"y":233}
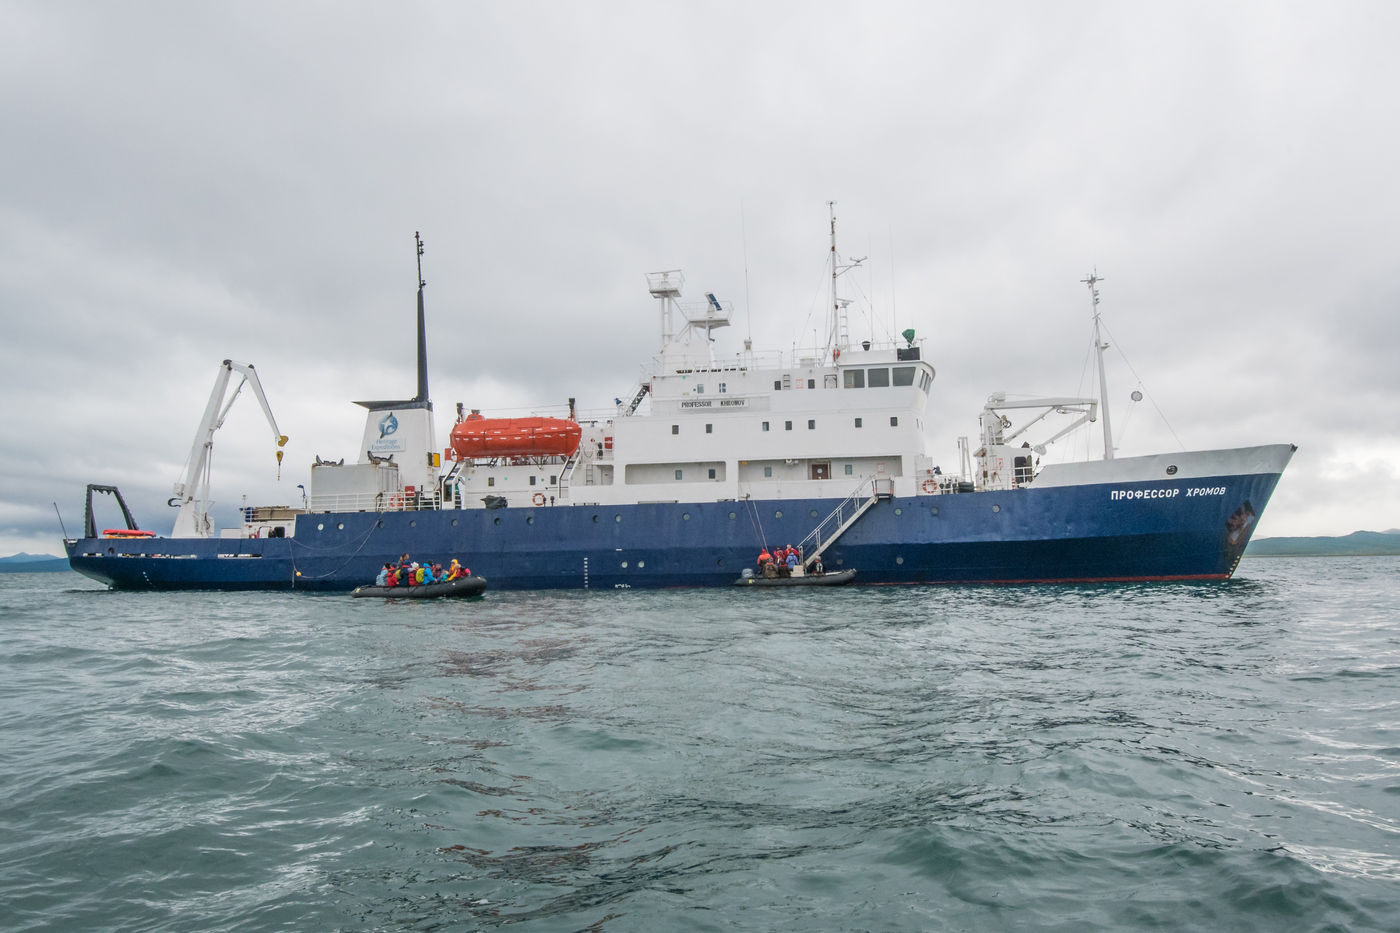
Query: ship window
{"x":675,"y":429}
{"x":529,"y":519}
{"x":787,"y":425}
{"x":733,"y":515}
{"x":879,"y":378}
{"x":811,"y":383}
{"x":765,"y":426}
{"x":699,"y":389}
{"x":685,"y":516}
{"x":811,"y":424}
{"x":553,"y":479}
{"x":678,"y":474}
{"x":855,"y":378}
{"x":777,"y":385}
{"x":712,"y":472}
{"x":709,"y":429}
{"x":454,"y":523}
{"x":532,"y":481}
{"x":723,"y":388}
{"x":767,"y":471}
{"x":904,"y":375}
{"x":894,"y":421}
{"x":859,"y":422}
{"x":850,"y":469}
{"x":490,"y":480}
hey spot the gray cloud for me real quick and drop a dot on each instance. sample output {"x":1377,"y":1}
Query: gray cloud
{"x":186,"y":183}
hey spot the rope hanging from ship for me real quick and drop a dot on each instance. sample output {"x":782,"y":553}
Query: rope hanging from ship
{"x":294,"y":543}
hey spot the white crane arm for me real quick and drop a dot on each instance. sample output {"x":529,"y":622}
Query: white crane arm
{"x":192,"y":491}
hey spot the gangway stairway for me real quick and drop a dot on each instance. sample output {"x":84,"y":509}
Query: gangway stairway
{"x":844,"y":516}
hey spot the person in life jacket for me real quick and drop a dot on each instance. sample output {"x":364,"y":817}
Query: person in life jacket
{"x":764,"y":557}
{"x":383,"y":578}
{"x":392,"y":578}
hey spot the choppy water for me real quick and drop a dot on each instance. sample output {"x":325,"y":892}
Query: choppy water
{"x":1220,"y":757}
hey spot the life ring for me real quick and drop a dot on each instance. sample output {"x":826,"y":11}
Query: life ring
{"x":930,"y":486}
{"x":537,"y":498}
{"x":396,"y":503}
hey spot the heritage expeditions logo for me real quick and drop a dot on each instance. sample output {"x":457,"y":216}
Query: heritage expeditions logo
{"x":388,"y":425}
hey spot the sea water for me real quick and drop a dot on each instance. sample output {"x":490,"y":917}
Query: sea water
{"x":1172,"y":756}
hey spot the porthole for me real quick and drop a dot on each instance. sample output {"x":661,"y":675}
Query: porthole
{"x":379,"y":524}
{"x":595,"y":519}
{"x":778,"y":514}
{"x":813,"y":513}
{"x":529,"y":519}
{"x":496,"y":521}
{"x":899,"y":511}
{"x":996,"y":508}
{"x":624,"y":565}
{"x":933,"y":510}
{"x":617,"y":518}
{"x":1171,"y":470}
{"x":413,"y":523}
{"x":320,"y":526}
{"x":899,"y":560}
{"x":641,"y":564}
{"x":454,"y":523}
{"x":339,"y":526}
{"x":732,"y":516}
{"x":685,"y":516}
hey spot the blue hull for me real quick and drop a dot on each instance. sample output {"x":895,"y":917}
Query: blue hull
{"x":1088,"y":533}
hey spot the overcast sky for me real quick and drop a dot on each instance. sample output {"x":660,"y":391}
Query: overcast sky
{"x":188,"y":182}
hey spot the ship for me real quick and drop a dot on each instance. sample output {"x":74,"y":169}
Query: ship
{"x":703,"y":462}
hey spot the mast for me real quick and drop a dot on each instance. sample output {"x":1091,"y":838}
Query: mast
{"x":422,"y":395}
{"x":837,"y":335}
{"x":1092,"y":280}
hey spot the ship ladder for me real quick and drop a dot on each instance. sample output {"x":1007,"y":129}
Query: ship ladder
{"x":844,"y":516}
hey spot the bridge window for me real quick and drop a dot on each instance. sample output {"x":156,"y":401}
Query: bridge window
{"x":879,"y":378}
{"x":904,"y":375}
{"x":855,"y":378}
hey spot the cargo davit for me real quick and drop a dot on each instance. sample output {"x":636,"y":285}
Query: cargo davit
{"x":476,"y":437}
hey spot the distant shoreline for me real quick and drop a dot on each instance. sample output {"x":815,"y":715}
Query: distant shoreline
{"x":1356,"y":544}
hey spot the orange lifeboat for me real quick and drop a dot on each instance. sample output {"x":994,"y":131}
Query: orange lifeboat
{"x":476,"y":436}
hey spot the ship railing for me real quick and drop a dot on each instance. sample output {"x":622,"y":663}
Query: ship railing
{"x":375,"y":502}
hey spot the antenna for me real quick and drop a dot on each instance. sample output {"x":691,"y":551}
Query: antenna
{"x":837,"y":336}
{"x":1092,"y":280}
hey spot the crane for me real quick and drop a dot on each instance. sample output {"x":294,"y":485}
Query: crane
{"x":192,"y":492}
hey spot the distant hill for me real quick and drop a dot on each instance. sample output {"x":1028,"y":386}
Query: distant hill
{"x":32,"y":563}
{"x":1356,"y":544}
